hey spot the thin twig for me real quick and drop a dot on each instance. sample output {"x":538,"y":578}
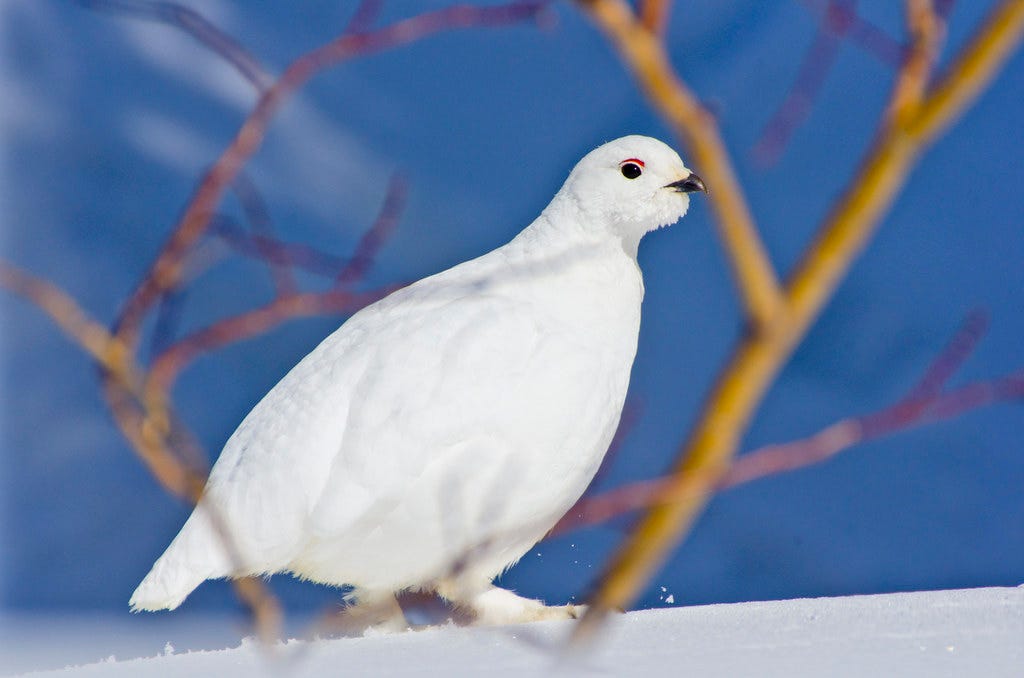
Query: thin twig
{"x":123,"y":393}
{"x":364,"y":16}
{"x":815,"y":67}
{"x":65,"y":312}
{"x":258,"y":216}
{"x":861,"y":33}
{"x":195,"y":24}
{"x":923,"y":403}
{"x":926,"y":32}
{"x":654,"y":15}
{"x":374,"y":238}
{"x":168,"y":365}
{"x":785,"y":457}
{"x":281,"y":253}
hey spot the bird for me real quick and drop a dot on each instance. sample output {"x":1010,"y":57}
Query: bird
{"x":439,"y":433}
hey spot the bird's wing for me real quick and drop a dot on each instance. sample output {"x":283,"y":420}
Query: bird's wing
{"x":450,"y":395}
{"x":404,"y":385}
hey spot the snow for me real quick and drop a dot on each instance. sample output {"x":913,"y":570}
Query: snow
{"x":934,"y":633}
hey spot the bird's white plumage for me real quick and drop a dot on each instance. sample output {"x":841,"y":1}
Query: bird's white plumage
{"x":440,"y":432}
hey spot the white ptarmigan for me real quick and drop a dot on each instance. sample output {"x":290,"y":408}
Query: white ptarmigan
{"x":439,"y":433}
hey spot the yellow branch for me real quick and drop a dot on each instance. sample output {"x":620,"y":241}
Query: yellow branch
{"x":972,"y":71}
{"x":144,"y":422}
{"x":705,"y":458}
{"x":912,"y":81}
{"x":123,"y":378}
{"x":92,"y":337}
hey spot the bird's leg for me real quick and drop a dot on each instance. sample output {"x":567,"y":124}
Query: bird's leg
{"x":494,"y":606}
{"x":377,"y":610}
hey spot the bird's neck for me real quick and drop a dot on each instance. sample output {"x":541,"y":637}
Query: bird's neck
{"x":565,"y":223}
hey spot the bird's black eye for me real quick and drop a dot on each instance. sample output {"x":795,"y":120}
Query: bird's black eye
{"x":631,"y":169}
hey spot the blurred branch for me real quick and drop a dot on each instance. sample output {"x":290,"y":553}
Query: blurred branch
{"x":815,"y":67}
{"x":925,"y":36}
{"x":644,"y":52}
{"x":258,"y":216}
{"x":654,"y":15}
{"x":971,"y":72}
{"x":192,"y":22}
{"x":230,"y":330}
{"x":782,"y":458}
{"x":777,"y":459}
{"x":123,"y":390}
{"x":93,"y":338}
{"x":166,"y":270}
{"x":263,"y":606}
{"x":839,"y":20}
{"x":631,"y":412}
{"x":364,"y":16}
{"x":293,"y":255}
{"x":289,"y":304}
{"x":955,"y":354}
{"x":923,"y":404}
{"x":704,"y":460}
{"x":378,"y":234}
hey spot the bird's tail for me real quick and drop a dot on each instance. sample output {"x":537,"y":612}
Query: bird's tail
{"x":196,"y":554}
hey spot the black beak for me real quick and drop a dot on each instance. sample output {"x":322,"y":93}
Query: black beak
{"x":690,"y":184}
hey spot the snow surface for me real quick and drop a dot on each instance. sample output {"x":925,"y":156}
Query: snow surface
{"x":969,"y":632}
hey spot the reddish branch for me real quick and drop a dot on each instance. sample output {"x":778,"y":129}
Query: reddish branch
{"x":839,"y":21}
{"x":193,"y":23}
{"x":253,"y":323}
{"x":258,"y":216}
{"x":277,"y":252}
{"x":364,"y":16}
{"x":289,"y":304}
{"x":925,"y":403}
{"x":841,"y":18}
{"x":654,"y":14}
{"x":378,"y":234}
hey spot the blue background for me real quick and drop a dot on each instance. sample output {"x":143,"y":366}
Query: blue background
{"x":107,"y":122}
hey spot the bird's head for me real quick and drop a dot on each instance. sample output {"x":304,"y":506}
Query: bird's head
{"x":631,"y":185}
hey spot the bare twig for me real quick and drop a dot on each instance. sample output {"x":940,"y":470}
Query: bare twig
{"x":364,"y":16}
{"x":196,"y":25}
{"x":836,"y":20}
{"x":122,"y":389}
{"x":233,"y":329}
{"x":258,"y":216}
{"x":923,"y":404}
{"x":925,"y":36}
{"x":654,"y":15}
{"x":92,"y":337}
{"x":293,"y":255}
{"x":630,"y":417}
{"x":843,"y":19}
{"x":374,"y":238}
{"x":290,"y":304}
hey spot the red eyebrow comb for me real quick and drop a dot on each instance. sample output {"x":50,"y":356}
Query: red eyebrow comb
{"x":636,"y":160}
